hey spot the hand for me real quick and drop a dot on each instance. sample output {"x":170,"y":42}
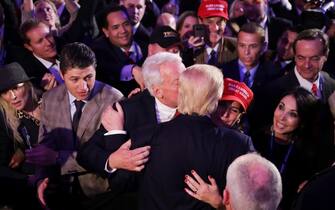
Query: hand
{"x":195,"y":42}
{"x":137,"y":74}
{"x":202,"y":191}
{"x":331,"y":101}
{"x":48,"y":81}
{"x":40,"y":191}
{"x":17,"y":159}
{"x":132,"y":160}
{"x":134,"y":92}
{"x":113,"y":119}
{"x":41,"y":155}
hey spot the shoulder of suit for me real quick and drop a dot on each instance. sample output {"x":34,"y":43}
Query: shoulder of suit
{"x":139,"y":98}
{"x":54,"y":92}
{"x":108,"y":91}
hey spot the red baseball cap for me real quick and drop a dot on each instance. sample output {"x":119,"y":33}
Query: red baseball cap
{"x":213,"y":8}
{"x":237,"y":91}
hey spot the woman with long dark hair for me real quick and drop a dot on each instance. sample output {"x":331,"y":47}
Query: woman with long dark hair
{"x":290,"y":143}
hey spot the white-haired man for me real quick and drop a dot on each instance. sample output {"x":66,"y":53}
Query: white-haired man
{"x":253,"y":183}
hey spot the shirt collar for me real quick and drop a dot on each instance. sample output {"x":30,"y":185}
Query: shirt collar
{"x":164,"y":113}
{"x":263,"y":22}
{"x":209,"y":49}
{"x":305,"y":83}
{"x":135,"y":27}
{"x":131,"y":49}
{"x":243,"y":69}
{"x":45,"y":63}
{"x":72,"y":98}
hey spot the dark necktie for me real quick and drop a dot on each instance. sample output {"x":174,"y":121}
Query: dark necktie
{"x":129,"y":54}
{"x":246,"y":78}
{"x":212,"y":60}
{"x":76,"y":117}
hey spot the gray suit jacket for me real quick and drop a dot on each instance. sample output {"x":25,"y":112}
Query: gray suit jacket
{"x":56,"y":129}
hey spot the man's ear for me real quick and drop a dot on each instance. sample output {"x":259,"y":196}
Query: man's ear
{"x":226,"y":198}
{"x":105,"y":31}
{"x":28,"y":47}
{"x":157,"y":92}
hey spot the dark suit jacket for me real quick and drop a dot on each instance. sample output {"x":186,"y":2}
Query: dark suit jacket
{"x":110,"y":61}
{"x":139,"y":111}
{"x":177,"y":147}
{"x":142,"y":34}
{"x":56,"y":125}
{"x":318,"y":192}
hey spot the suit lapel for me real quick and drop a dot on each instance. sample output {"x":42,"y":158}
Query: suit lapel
{"x":64,"y":110}
{"x":89,"y":112}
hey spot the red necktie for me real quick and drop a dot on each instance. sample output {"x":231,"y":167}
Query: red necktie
{"x":314,"y":89}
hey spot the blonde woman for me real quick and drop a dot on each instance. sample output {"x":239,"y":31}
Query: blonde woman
{"x":19,"y":124}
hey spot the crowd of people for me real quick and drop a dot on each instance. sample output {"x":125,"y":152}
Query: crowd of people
{"x":167,"y":104}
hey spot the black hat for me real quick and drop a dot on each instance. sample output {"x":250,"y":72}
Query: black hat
{"x":11,"y":75}
{"x":165,"y":36}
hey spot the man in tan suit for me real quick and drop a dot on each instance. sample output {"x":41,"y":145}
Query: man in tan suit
{"x":70,"y":115}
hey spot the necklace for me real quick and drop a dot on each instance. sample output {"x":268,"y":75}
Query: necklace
{"x":21,"y":115}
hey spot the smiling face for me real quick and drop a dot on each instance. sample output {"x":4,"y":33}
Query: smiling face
{"x":309,"y":58}
{"x":286,"y":118}
{"x":80,"y":82}
{"x":18,"y":96}
{"x":119,"y":29}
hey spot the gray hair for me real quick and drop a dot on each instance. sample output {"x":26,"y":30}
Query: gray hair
{"x":253,"y":183}
{"x":152,"y":65}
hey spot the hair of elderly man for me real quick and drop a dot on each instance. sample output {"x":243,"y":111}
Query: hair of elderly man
{"x":253,"y":183}
{"x":200,"y":88}
{"x":152,"y":65}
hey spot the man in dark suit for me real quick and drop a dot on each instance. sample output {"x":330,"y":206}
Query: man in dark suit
{"x":256,"y":11}
{"x":71,"y":115}
{"x":117,"y":47}
{"x":39,"y":56}
{"x":251,"y":69}
{"x":136,"y":10}
{"x":156,"y":104}
{"x":191,"y":141}
{"x":311,"y":51}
